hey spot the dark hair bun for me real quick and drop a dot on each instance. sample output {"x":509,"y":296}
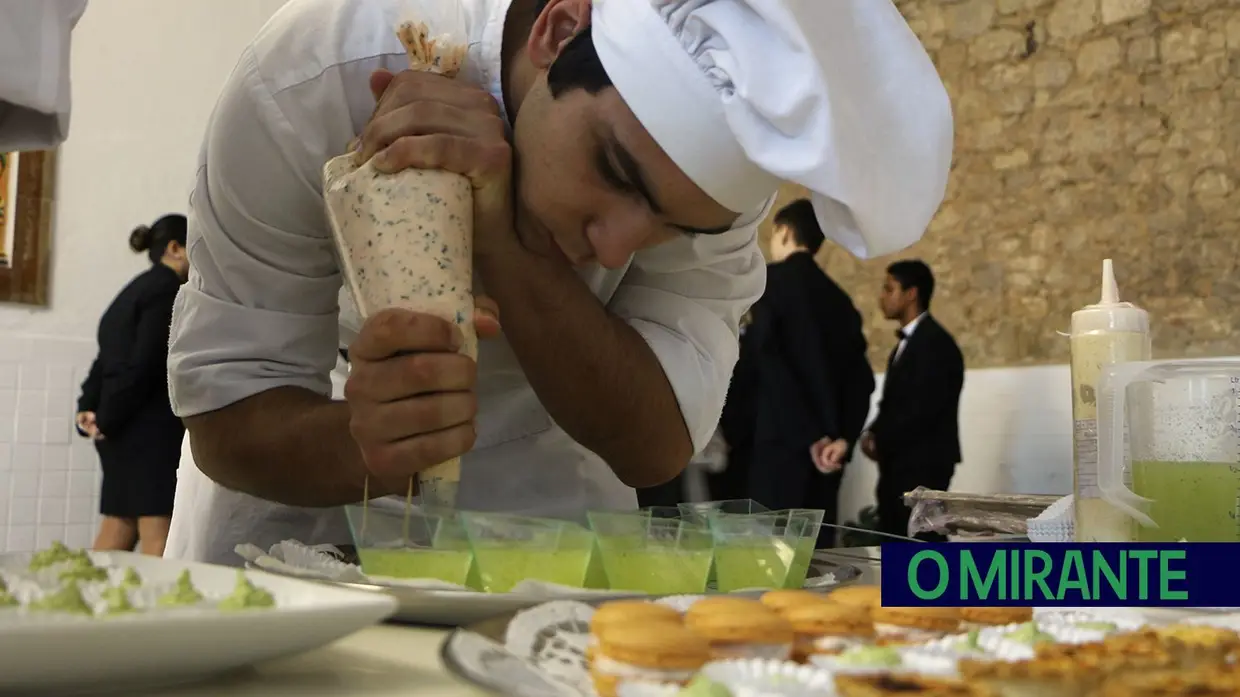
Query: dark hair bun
{"x":140,"y":239}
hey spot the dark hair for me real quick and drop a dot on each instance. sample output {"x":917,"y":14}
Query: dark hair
{"x":154,"y":239}
{"x":799,"y":217}
{"x":913,"y":273}
{"x":577,"y":67}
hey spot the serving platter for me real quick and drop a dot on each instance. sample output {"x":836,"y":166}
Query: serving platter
{"x":53,"y":653}
{"x":456,"y":608}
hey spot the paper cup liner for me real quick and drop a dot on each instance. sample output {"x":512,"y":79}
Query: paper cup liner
{"x":756,"y":677}
{"x":680,"y":603}
{"x":637,"y":688}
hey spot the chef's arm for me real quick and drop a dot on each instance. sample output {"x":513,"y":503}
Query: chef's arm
{"x":640,"y":382}
{"x":287,"y":444}
{"x":254,"y":331}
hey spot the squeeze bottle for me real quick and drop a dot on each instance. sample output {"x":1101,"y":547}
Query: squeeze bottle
{"x":1107,"y":333}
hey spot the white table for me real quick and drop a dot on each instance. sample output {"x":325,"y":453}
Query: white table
{"x":383,"y":661}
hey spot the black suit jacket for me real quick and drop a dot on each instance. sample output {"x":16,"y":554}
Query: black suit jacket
{"x":815,"y":379}
{"x":918,"y":418}
{"x":127,"y":387}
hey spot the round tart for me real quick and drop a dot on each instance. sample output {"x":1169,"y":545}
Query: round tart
{"x":900,"y":625}
{"x":828,"y":628}
{"x":646,"y":652}
{"x":741,"y":630}
{"x":996,"y":616}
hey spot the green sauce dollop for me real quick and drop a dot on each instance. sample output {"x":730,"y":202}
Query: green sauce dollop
{"x":183,"y":593}
{"x":68,"y":600}
{"x":870,"y":656}
{"x":246,"y":595}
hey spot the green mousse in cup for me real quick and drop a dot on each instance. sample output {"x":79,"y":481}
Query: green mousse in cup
{"x":653,"y":554}
{"x":418,"y":544}
{"x":764,"y":550}
{"x":509,"y":549}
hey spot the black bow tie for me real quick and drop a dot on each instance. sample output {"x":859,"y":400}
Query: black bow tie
{"x":901,"y":335}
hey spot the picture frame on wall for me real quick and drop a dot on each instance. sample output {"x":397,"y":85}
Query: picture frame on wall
{"x":26,"y":206}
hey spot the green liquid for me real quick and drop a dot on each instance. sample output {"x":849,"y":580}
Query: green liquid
{"x":758,"y":563}
{"x":658,"y":570}
{"x":1194,"y":501}
{"x":802,"y":555}
{"x":447,"y":565}
{"x":501,"y":568}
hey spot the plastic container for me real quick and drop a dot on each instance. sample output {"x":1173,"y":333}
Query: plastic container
{"x":763,"y":550}
{"x":1108,"y":333}
{"x":509,"y":549}
{"x":1183,"y":451}
{"x":412,"y":544}
{"x":650,"y":554}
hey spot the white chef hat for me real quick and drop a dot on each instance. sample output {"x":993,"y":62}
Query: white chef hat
{"x":836,"y":95}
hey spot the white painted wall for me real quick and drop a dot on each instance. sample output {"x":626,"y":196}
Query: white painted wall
{"x":145,"y":77}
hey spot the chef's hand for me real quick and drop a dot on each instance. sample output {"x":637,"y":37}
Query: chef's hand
{"x":868,"y":447}
{"x":828,"y":454}
{"x":428,"y":121}
{"x":410,"y":394}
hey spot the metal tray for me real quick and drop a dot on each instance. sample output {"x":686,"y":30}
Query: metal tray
{"x":449,"y":608}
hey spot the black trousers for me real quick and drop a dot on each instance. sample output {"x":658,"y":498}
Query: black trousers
{"x":896,"y":479}
{"x":781,"y":478}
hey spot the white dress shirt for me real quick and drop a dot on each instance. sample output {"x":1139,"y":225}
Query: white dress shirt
{"x":34,"y":72}
{"x":264,"y":307}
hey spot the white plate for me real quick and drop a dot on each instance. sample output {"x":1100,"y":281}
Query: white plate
{"x":44,"y":653}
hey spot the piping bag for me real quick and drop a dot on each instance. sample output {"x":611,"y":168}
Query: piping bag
{"x":405,"y":240}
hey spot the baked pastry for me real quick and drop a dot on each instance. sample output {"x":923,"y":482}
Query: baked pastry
{"x":1198,"y":645}
{"x":741,"y":630}
{"x":994,"y":616}
{"x":788,"y":599}
{"x":1037,"y":677}
{"x":1171,"y":683}
{"x":828,"y":628}
{"x":623,"y":611}
{"x":660,"y":652}
{"x":868,"y":597}
{"x":882,"y":685}
{"x":913,"y":625}
{"x":1133,"y":656}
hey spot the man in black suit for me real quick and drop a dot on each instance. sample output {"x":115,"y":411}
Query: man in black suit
{"x":813,"y":390}
{"x":915,"y":439}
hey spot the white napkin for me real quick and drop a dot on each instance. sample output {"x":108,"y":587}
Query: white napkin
{"x":1055,"y":524}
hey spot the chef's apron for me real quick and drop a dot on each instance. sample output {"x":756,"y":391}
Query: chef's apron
{"x":521,"y":463}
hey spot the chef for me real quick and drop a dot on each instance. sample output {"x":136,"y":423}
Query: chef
{"x":622,"y":153}
{"x":34,"y":72}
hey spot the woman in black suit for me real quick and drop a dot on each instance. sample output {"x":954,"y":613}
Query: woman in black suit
{"x":124,"y":406}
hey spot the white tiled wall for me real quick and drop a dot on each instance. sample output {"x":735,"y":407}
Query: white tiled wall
{"x":49,"y":477}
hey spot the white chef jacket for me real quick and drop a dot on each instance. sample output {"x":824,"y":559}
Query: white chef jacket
{"x":264,"y":306}
{"x":34,"y":72}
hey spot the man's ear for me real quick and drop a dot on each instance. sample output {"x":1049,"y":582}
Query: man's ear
{"x":555,"y":26}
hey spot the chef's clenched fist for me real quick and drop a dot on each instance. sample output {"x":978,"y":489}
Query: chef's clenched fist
{"x":410,"y":394}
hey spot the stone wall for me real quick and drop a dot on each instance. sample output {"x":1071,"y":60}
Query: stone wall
{"x":1085,"y":129}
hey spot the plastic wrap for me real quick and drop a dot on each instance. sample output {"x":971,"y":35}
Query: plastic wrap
{"x":973,"y":515}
